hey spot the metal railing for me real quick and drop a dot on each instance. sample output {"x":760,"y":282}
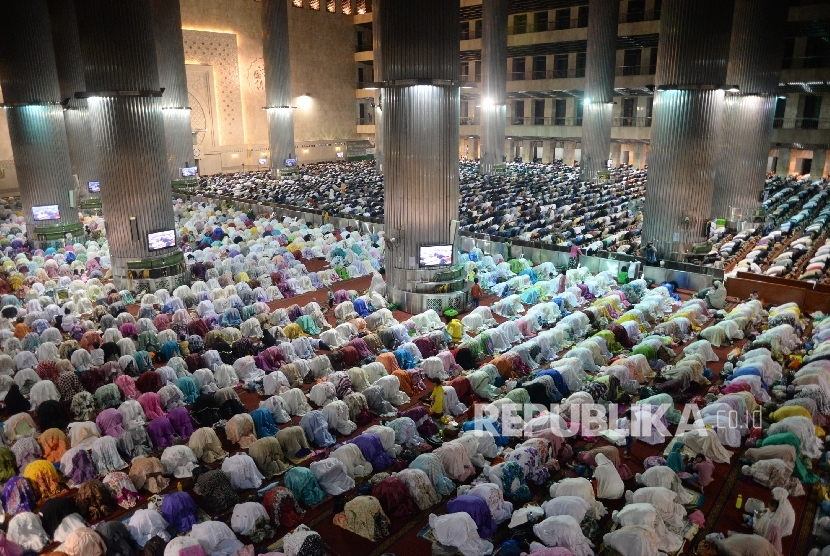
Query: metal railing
{"x":636,"y":17}
{"x":470,"y":34}
{"x":468,"y":121}
{"x":365,"y":121}
{"x":467,"y":78}
{"x":540,"y":120}
{"x":622,"y":121}
{"x":801,"y":123}
{"x":363,"y":47}
{"x":546,"y":74}
{"x":551,"y":25}
{"x":639,"y":69}
{"x":806,"y":62}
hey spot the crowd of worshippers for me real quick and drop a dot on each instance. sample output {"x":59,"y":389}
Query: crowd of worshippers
{"x":535,"y":202}
{"x":108,"y":413}
{"x":787,"y":238}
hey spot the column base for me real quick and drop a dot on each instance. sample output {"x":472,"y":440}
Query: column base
{"x":147,"y":275}
{"x":57,"y":236}
{"x":415,"y":291}
{"x":415,"y":303}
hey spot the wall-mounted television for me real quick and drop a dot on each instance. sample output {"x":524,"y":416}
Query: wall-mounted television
{"x":161,"y":240}
{"x":434,"y":255}
{"x":46,"y":212}
{"x":341,"y":155}
{"x":263,"y":161}
{"x":189,"y":172}
{"x":94,"y":186}
{"x":290,"y":162}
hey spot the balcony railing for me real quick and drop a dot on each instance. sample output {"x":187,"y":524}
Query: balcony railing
{"x":365,"y":121}
{"x":539,"y":120}
{"x":467,"y":78}
{"x":468,"y":121}
{"x":636,"y":17}
{"x":363,"y":47}
{"x":546,"y":74}
{"x":636,"y":70}
{"x":470,"y":34}
{"x":631,"y":122}
{"x":806,"y":62}
{"x":801,"y":123}
{"x":552,"y":25}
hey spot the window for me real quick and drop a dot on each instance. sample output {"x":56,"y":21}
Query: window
{"x":658,"y":8}
{"x":540,"y":21}
{"x":538,"y":112}
{"x":652,"y":62}
{"x":628,"y":112}
{"x":559,"y":111}
{"x":540,"y":66}
{"x":518,"y":112}
{"x":816,"y":54}
{"x":364,"y":6}
{"x":582,"y":16}
{"x":787,"y":59}
{"x":636,"y":11}
{"x":518,"y":69}
{"x":465,"y":110}
{"x":346,"y":7}
{"x":364,"y":43}
{"x":579,"y":107}
{"x":780,"y":107}
{"x":580,"y":64}
{"x":477,"y":32}
{"x":465,"y":71}
{"x":631,"y":62}
{"x":297,"y":3}
{"x":361,"y":76}
{"x":478,"y":70}
{"x":519,"y":24}
{"x":314,"y":4}
{"x":649,"y":110}
{"x":563,"y":19}
{"x":331,"y":6}
{"x":361,"y":112}
{"x":560,"y":66}
{"x":465,"y":30}
{"x":812,"y":109}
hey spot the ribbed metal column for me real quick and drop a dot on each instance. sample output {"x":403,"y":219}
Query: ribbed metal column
{"x":379,"y":132}
{"x":276,"y":58}
{"x":782,"y":167}
{"x":71,"y":78}
{"x":167,"y":27}
{"x":31,"y":92}
{"x":494,"y":83}
{"x":418,"y":50}
{"x":688,"y":103}
{"x":119,"y":54}
{"x":754,"y":64}
{"x":600,"y":62}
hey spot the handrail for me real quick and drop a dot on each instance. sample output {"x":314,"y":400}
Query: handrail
{"x":638,"y":16}
{"x":550,"y":25}
{"x":801,"y":123}
{"x":530,"y":75}
{"x":622,"y":121}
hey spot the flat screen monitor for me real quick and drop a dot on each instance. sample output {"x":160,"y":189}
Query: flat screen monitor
{"x":161,"y":240}
{"x":189,"y":172}
{"x":263,"y":161}
{"x":341,"y":155}
{"x":46,"y":212}
{"x":290,"y":162}
{"x":435,"y":255}
{"x":94,"y":186}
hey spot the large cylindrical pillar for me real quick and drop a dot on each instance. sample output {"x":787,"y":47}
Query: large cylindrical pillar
{"x":418,"y":67}
{"x":125,"y":104}
{"x":600,"y":62}
{"x":378,"y":132}
{"x":76,"y":115}
{"x":688,"y":103}
{"x":782,"y":167}
{"x":167,"y":27}
{"x":31,"y":92}
{"x":276,"y":61}
{"x":494,"y":83}
{"x":754,"y":64}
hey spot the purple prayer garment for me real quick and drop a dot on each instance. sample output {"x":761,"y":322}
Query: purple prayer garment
{"x":182,"y":423}
{"x":161,"y":432}
{"x":179,"y":510}
{"x":372,"y":449}
{"x":478,"y":510}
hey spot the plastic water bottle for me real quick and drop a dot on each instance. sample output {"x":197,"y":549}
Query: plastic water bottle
{"x":179,"y":486}
{"x":739,"y":502}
